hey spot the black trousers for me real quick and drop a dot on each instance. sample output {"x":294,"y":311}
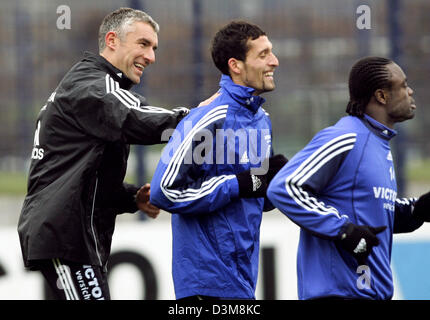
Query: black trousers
{"x":73,"y":281}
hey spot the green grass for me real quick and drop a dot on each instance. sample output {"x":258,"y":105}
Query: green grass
{"x":418,"y":171}
{"x":13,"y":183}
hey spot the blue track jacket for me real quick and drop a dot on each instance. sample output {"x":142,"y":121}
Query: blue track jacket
{"x":345,"y":174}
{"x":215,"y":233}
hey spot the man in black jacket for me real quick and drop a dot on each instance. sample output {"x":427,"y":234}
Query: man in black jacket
{"x":81,"y":146}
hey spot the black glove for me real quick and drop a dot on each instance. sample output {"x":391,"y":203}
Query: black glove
{"x":275,"y":164}
{"x":422,"y":207}
{"x":359,"y":240}
{"x":251,"y":185}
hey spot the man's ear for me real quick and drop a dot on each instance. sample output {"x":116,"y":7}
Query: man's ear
{"x":111,"y":40}
{"x":381,"y":96}
{"x":235,"y":65}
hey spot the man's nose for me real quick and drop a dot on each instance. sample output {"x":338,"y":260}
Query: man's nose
{"x":274,"y":61}
{"x":149,"y":56}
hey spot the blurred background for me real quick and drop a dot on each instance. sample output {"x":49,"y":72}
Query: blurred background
{"x":316,"y":42}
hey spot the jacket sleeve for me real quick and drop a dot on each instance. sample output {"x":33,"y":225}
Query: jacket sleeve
{"x":298,"y":187}
{"x":110,"y":113}
{"x":268,"y":205}
{"x":404,"y":220}
{"x":180,"y":184}
{"x":118,"y":200}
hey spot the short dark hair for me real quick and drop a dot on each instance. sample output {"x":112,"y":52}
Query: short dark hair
{"x":366,"y":76}
{"x":231,"y":42}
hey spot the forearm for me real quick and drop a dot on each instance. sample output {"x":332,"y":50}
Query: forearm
{"x":210,"y":196}
{"x":123,"y":199}
{"x":149,"y":126}
{"x":305,"y":209}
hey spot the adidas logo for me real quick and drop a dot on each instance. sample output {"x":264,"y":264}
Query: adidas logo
{"x":244,"y":158}
{"x":37,"y":152}
{"x":256,"y":183}
{"x":361,"y":247}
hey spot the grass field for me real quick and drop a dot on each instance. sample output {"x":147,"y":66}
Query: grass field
{"x":419,"y":171}
{"x":15,"y":183}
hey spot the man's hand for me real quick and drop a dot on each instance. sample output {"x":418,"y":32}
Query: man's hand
{"x":250,"y":185}
{"x":359,"y":240}
{"x":142,"y":201}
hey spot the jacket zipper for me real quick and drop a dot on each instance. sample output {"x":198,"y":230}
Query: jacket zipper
{"x":92,"y":222}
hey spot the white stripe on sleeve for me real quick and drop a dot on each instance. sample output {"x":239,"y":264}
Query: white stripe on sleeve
{"x":318,"y":159}
{"x":174,"y":165}
{"x":128,"y":99}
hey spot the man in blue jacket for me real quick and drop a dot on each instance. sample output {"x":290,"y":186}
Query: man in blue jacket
{"x":341,"y":190}
{"x":213,"y":173}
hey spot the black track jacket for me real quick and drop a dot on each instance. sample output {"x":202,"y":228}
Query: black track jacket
{"x":79,"y":160}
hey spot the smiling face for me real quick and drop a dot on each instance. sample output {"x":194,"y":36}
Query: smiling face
{"x":134,"y":51}
{"x":258,"y":68}
{"x":400,"y":104}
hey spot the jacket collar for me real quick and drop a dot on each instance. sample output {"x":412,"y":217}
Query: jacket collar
{"x":241,"y":94}
{"x":115,"y":73}
{"x":378,"y":128}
